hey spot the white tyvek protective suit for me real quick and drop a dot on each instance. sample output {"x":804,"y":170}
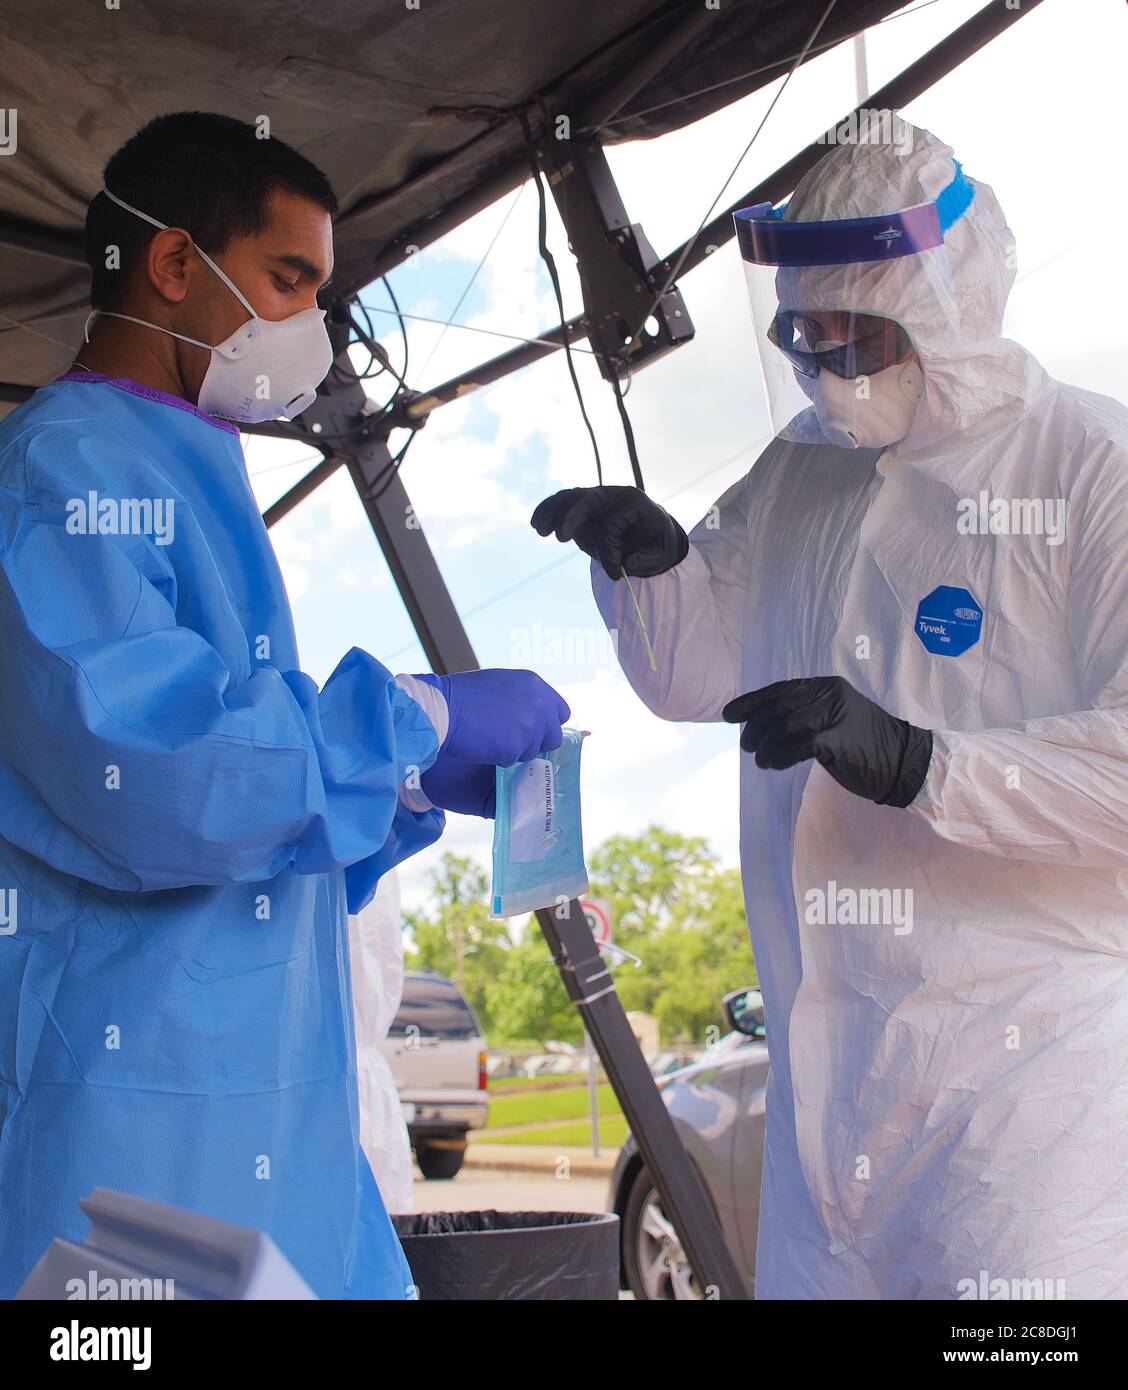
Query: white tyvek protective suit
{"x":376,"y":962}
{"x":950,"y":1103}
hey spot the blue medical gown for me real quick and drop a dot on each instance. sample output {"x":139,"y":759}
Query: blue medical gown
{"x":184,"y":820}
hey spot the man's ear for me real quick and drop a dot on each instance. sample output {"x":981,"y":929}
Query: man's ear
{"x":166,"y":265}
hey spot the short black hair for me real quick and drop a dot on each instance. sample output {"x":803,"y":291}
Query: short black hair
{"x":210,"y":174}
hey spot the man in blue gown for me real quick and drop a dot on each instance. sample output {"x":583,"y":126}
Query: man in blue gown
{"x":184,"y":818}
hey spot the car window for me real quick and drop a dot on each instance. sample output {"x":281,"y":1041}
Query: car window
{"x":435,"y":1009}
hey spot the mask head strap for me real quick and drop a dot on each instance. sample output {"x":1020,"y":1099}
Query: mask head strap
{"x":163,"y":226}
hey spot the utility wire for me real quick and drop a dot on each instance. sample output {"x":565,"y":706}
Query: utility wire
{"x":490,"y":332}
{"x":392,"y":467}
{"x":27,"y":328}
{"x":470,"y":285}
{"x":388,"y":473}
{"x":277,"y":467}
{"x":547,"y":257}
{"x":605,"y":357}
{"x":399,"y":315}
{"x":675,"y":270}
{"x":744,"y":76}
{"x":79,"y":307}
{"x":569,"y":554}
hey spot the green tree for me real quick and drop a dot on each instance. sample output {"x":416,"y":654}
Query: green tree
{"x":528,"y":1001}
{"x":672,"y":905}
{"x":646,"y":877}
{"x":683,"y":915}
{"x":701,"y":959}
{"x":457,"y":937}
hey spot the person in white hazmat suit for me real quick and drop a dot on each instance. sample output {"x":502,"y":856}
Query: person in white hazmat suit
{"x":934,"y":826}
{"x":376,"y":963}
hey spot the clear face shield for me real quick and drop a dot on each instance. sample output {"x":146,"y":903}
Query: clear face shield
{"x":843,"y":312}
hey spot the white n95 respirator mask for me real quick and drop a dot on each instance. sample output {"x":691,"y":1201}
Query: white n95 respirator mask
{"x":868,"y":412}
{"x":267,"y":368}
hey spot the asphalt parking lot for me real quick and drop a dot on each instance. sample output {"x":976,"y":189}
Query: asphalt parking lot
{"x":479,"y":1189}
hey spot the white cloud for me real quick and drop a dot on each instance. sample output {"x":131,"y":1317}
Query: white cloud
{"x":707,"y":802}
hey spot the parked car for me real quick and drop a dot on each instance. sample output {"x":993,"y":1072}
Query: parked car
{"x":549,"y":1064}
{"x":500,"y":1066}
{"x":566,"y":1066}
{"x":717,"y":1104}
{"x":438,"y":1059}
{"x":662,"y":1063}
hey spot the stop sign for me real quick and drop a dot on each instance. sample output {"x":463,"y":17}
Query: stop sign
{"x":597,"y":912}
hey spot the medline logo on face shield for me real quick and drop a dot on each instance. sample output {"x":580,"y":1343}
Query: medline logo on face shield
{"x":888,"y":236}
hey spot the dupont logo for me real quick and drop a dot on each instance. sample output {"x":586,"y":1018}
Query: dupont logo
{"x":949,"y":620}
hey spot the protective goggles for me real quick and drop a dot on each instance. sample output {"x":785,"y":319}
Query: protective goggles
{"x":839,"y":341}
{"x":850,"y":297}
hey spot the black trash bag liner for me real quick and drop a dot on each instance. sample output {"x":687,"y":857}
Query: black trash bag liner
{"x":512,"y":1254}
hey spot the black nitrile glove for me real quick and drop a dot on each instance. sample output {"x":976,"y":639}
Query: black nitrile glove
{"x":864,"y":749}
{"x":618,"y":526}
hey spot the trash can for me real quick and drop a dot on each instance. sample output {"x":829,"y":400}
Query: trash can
{"x":512,"y":1254}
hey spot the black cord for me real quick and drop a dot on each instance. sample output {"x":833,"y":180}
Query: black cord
{"x":636,"y":468}
{"x":367,"y":340}
{"x":392,"y":468}
{"x":605,"y":358}
{"x":546,"y":256}
{"x":377,"y":364}
{"x":399,"y":315}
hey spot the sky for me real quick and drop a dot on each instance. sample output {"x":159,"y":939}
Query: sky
{"x":1037,"y":115}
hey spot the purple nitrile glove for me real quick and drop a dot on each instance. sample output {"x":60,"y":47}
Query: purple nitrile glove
{"x":500,"y":716}
{"x":468,"y":788}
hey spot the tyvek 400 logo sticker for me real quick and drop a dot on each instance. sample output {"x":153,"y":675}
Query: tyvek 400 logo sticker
{"x":949,"y":620}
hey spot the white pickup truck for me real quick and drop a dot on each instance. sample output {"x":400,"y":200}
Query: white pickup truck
{"x":437,"y":1054}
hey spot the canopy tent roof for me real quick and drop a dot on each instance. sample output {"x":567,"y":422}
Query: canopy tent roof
{"x":411,"y":112}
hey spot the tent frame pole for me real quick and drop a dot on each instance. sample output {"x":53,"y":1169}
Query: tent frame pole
{"x":587,"y":979}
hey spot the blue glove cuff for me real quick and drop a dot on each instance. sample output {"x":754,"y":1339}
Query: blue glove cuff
{"x":441,"y":684}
